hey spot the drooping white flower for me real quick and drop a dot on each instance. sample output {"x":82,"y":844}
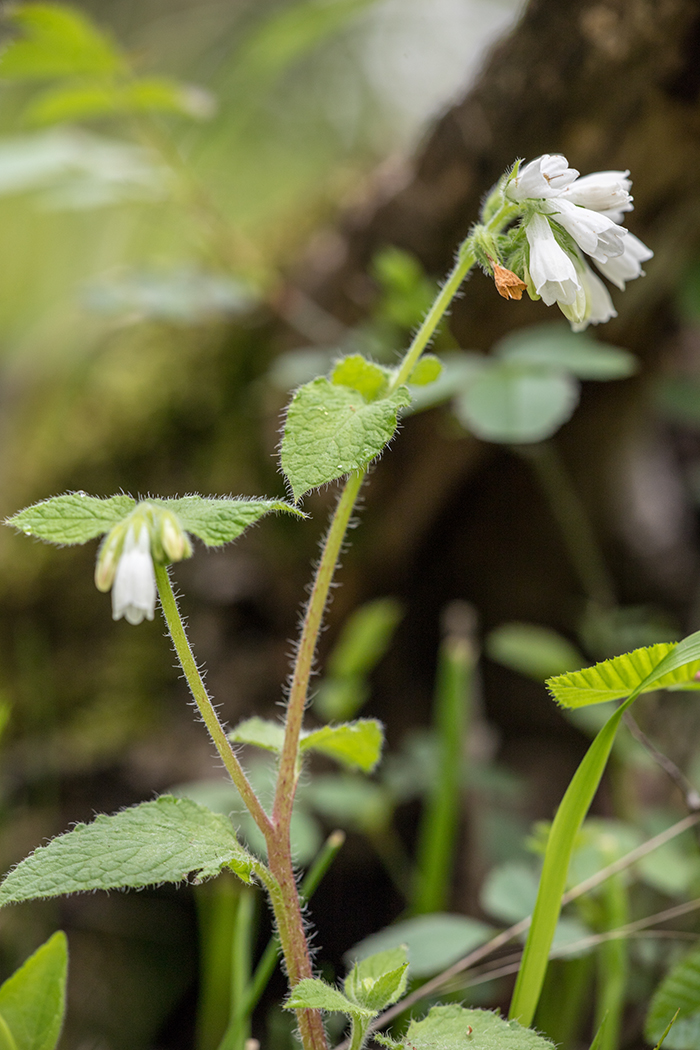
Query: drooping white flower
{"x":599,"y":306}
{"x":595,"y":234}
{"x":628,"y":266}
{"x":551,"y":269}
{"x":544,"y":177}
{"x":603,"y":191}
{"x":134,"y":587}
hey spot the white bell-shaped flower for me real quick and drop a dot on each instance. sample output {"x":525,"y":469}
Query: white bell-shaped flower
{"x":603,"y":191}
{"x":134,"y":587}
{"x":547,"y":176}
{"x":599,"y":306}
{"x":595,"y":234}
{"x":628,"y":266}
{"x":551,"y":269}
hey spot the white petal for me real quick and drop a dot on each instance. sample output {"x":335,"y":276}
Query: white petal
{"x":599,"y":305}
{"x":134,"y":587}
{"x":551,"y":269}
{"x":603,"y":191}
{"x":627,"y":266}
{"x":595,"y":234}
{"x":546,"y":176}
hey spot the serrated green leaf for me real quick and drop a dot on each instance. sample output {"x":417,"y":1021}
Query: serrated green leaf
{"x":356,"y":372}
{"x":167,"y":840}
{"x":517,"y":403}
{"x":84,"y":101}
{"x":357,"y":745}
{"x":434,"y":941}
{"x":427,"y":370}
{"x":378,"y":981}
{"x":312,"y":994}
{"x":679,"y":991}
{"x":618,"y":677}
{"x":535,"y":651}
{"x":332,"y":430}
{"x":556,"y":346}
{"x":72,"y":518}
{"x":260,"y":732}
{"x":33,"y":999}
{"x":455,"y":1028}
{"x":59,"y":41}
{"x":218,"y":520}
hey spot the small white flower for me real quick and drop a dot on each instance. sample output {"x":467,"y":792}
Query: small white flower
{"x":599,"y":306}
{"x":628,"y":266}
{"x":134,"y":587}
{"x":603,"y":191}
{"x":594,"y":233}
{"x":551,"y":269}
{"x":547,"y":176}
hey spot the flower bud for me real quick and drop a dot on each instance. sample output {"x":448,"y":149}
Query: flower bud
{"x":174,"y":540}
{"x":108,"y":557}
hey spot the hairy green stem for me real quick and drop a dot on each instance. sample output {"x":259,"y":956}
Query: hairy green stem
{"x":203,"y":701}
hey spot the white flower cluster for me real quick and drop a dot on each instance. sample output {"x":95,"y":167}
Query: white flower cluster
{"x":590,"y":210}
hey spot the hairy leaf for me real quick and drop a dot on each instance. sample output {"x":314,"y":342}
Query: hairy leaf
{"x":356,"y":372}
{"x":517,"y":403}
{"x":260,"y":732}
{"x":454,"y":1028}
{"x":378,"y":981}
{"x":332,"y":430}
{"x":312,"y":994}
{"x":167,"y":840}
{"x":218,"y":520}
{"x":680,"y":990}
{"x":72,"y":518}
{"x":33,"y":999}
{"x":357,"y":745}
{"x":428,"y":369}
{"x":618,"y":677}
{"x":59,"y":41}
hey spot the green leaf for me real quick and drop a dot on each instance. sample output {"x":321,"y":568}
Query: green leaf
{"x":434,"y":941}
{"x":183,"y":295}
{"x":427,"y":370}
{"x":556,"y":346}
{"x":218,"y":520}
{"x":459,"y":369}
{"x":33,"y":999}
{"x":350,"y":801}
{"x":312,"y":994}
{"x":379,"y":981}
{"x":365,"y":638}
{"x":167,"y":840}
{"x":72,"y":518}
{"x":454,"y":1028}
{"x":535,"y":651}
{"x":517,"y":403}
{"x":85,"y":101}
{"x":332,"y":430}
{"x":357,"y":745}
{"x":618,"y":677}
{"x":59,"y":41}
{"x":679,"y":991}
{"x":356,"y":372}
{"x":260,"y":732}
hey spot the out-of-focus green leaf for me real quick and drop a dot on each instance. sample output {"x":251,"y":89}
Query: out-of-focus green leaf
{"x":186,"y":295}
{"x":556,"y":346}
{"x":33,"y":999}
{"x":59,"y":40}
{"x":679,"y":991}
{"x":517,"y":403}
{"x":349,"y":801}
{"x":427,"y":370}
{"x":535,"y":651}
{"x":459,"y":369}
{"x":407,"y":293}
{"x":434,"y":941}
{"x":85,"y":101}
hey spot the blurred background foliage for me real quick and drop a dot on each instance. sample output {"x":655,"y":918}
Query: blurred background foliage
{"x":160,"y":255}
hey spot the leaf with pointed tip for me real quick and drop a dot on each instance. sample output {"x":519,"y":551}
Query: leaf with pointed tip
{"x":72,"y":518}
{"x":59,"y":41}
{"x":378,"y":981}
{"x":220,"y":519}
{"x":167,"y":840}
{"x":312,"y":994}
{"x":456,"y":1028}
{"x":33,"y":999}
{"x":357,"y":745}
{"x":622,"y":675}
{"x":332,"y":430}
{"x":356,"y":372}
{"x":556,"y":346}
